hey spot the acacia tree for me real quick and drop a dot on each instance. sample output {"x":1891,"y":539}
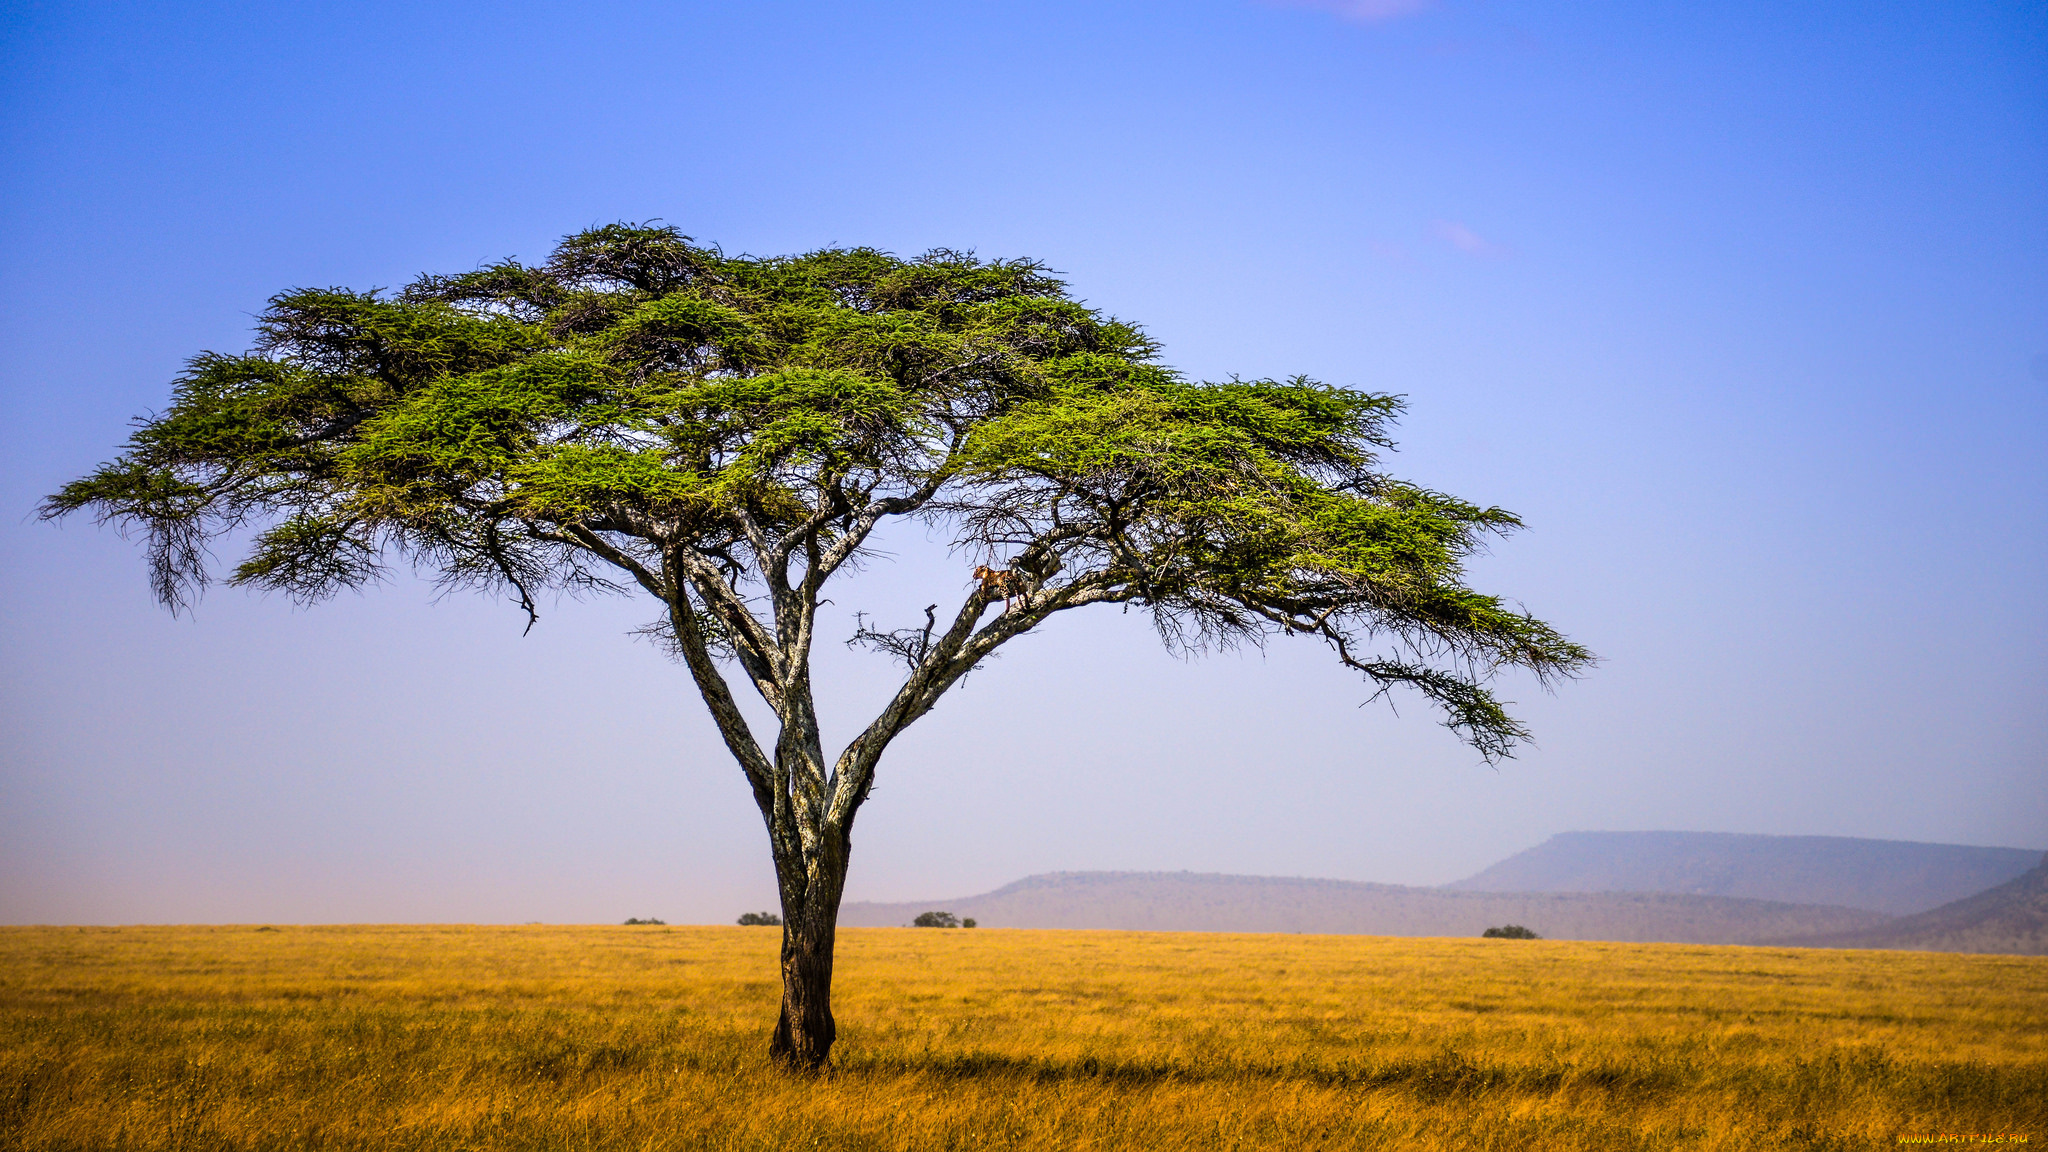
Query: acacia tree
{"x":725,"y":434}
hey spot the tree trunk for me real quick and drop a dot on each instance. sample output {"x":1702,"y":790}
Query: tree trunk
{"x":805,"y":1031}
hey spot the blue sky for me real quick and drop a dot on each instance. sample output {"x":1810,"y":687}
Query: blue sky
{"x":1743,"y":307}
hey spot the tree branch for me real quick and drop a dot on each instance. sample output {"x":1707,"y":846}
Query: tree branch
{"x":618,"y":558}
{"x":955,"y":654}
{"x":769,"y":797}
{"x":757,"y":649}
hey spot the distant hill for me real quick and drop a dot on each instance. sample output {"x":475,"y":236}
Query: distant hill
{"x":1194,"y":902}
{"x":1897,"y":877}
{"x":2012,"y":917}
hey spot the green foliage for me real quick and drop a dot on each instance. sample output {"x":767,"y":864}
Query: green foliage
{"x":760,"y":920}
{"x":1509,"y":932}
{"x":635,"y":920}
{"x":935,"y":920}
{"x":642,"y":410}
{"x":968,"y":923}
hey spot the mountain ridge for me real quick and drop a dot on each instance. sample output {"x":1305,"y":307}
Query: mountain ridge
{"x":1895,"y":877}
{"x":2010,"y":918}
{"x":1221,"y":902}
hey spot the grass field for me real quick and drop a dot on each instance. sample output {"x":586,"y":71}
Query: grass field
{"x":655,"y":1038}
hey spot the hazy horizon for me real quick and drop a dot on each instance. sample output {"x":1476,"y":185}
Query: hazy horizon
{"x":1743,"y":309}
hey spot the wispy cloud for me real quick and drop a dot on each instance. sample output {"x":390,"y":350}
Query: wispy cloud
{"x":1359,"y":11}
{"x":1467,"y":241}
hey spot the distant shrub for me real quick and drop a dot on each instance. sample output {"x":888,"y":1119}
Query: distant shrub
{"x":760,"y":920}
{"x":1509,"y":932}
{"x":649,"y":920}
{"x":967,"y":923}
{"x":935,"y":920}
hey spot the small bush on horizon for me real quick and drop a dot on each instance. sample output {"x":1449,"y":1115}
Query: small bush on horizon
{"x":935,"y":920}
{"x":649,"y":920}
{"x":967,"y":923}
{"x":1509,"y":932}
{"x":760,"y":920}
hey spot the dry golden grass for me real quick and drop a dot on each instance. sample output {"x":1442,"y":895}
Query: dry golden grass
{"x":652,"y":1038}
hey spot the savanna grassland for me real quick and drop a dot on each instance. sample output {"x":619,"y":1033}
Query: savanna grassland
{"x":655,"y":1038}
